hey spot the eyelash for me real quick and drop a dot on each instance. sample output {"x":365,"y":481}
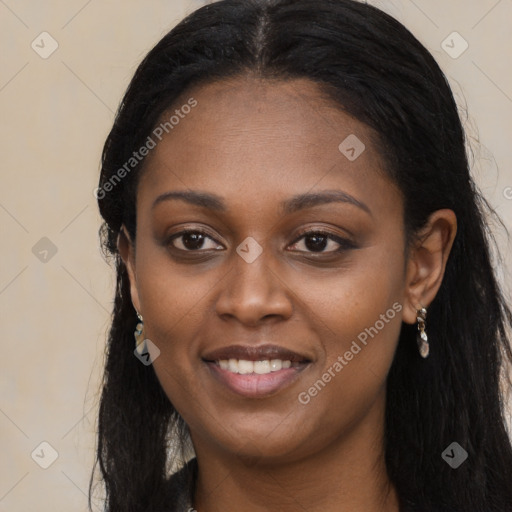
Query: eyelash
{"x":344,"y":243}
{"x":188,"y":232}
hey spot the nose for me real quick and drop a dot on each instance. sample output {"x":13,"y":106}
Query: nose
{"x":253,"y":293}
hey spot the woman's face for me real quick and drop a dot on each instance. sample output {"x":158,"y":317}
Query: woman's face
{"x":297,"y":274}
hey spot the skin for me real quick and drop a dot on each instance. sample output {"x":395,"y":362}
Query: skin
{"x":255,"y":144}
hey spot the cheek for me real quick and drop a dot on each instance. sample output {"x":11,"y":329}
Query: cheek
{"x":176,"y":304}
{"x":347,"y":302}
{"x":356,"y":314}
{"x":174,"y":301}
{"x":358,"y":327}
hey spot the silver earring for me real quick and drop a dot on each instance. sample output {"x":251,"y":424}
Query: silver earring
{"x":421,"y":337}
{"x":139,"y":335}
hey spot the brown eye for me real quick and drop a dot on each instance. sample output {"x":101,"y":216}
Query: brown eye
{"x":317,"y":241}
{"x":193,"y":240}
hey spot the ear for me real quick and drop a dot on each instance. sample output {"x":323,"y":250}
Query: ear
{"x":427,"y":262}
{"x":127,"y":251}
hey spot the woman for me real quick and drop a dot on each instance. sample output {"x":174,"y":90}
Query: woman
{"x":303,"y":257}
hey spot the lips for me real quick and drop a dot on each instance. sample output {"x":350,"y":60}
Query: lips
{"x":255,"y":371}
{"x":255,"y":353}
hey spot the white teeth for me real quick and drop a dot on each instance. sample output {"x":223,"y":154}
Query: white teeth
{"x":244,"y":367}
{"x":261,"y":367}
{"x":276,"y":364}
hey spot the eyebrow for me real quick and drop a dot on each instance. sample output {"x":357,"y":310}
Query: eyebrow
{"x":311,"y":199}
{"x":204,"y":199}
{"x":291,"y":205}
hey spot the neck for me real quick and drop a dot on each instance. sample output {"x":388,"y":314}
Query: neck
{"x":348,"y":474}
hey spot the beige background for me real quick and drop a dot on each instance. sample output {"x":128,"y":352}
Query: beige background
{"x":56,"y":113}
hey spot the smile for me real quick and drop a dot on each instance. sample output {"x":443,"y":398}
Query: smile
{"x":255,"y":371}
{"x":246,"y":367}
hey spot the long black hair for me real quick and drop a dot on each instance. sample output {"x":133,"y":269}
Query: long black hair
{"x":373,"y":68}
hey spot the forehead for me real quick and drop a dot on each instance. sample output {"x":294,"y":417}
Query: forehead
{"x":259,"y":137}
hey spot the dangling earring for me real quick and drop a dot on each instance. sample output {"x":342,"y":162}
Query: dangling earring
{"x":139,"y":335}
{"x":421,"y":337}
